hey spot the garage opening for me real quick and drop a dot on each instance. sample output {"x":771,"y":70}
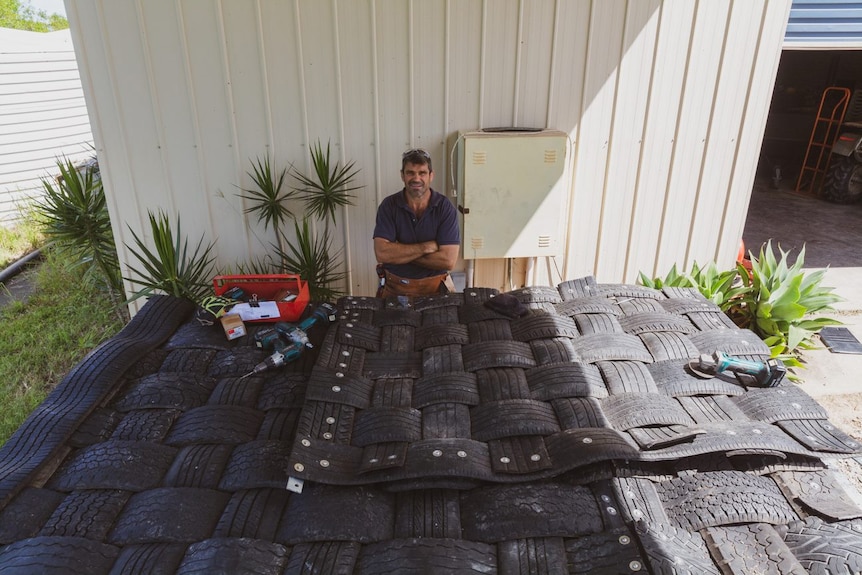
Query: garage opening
{"x":830,"y":232}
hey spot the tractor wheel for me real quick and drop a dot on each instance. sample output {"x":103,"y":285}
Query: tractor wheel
{"x":843,"y":183}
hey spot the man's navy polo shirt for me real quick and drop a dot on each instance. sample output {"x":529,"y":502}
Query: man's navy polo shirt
{"x":397,"y":223}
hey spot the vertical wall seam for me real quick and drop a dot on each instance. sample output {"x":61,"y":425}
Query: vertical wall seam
{"x":745,"y":110}
{"x":676,"y":129}
{"x":154,"y":102}
{"x":195,"y":119}
{"x":708,"y":136}
{"x":518,"y":56}
{"x":234,"y":136}
{"x":611,"y":127}
{"x":339,"y":90}
{"x":644,"y":129}
{"x":549,"y":109}
{"x":107,"y":175}
{"x":303,"y":96}
{"x":482,"y":47}
{"x":577,"y":144}
{"x":375,"y":74}
{"x":264,"y":71}
{"x":447,"y":77}
{"x":411,"y":82}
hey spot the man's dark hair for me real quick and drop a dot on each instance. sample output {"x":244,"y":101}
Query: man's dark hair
{"x":416,"y":156}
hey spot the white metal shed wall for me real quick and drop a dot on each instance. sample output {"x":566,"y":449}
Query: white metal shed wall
{"x":42,"y":113}
{"x":665,"y":103}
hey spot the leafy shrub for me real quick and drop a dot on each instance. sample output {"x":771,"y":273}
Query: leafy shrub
{"x":172,"y":268}
{"x":76,"y":217}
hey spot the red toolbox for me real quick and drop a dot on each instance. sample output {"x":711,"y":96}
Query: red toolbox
{"x":266,"y":287}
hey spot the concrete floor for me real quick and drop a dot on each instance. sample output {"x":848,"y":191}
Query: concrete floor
{"x":832,"y":236}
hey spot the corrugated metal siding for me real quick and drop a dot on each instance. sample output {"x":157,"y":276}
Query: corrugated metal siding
{"x":665,"y":102}
{"x":42,"y":113}
{"x":824,"y":24}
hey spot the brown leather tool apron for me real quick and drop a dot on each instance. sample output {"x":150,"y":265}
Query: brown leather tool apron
{"x":394,"y":285}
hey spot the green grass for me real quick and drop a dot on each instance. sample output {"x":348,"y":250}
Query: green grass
{"x":50,"y":333}
{"x":19,"y":240}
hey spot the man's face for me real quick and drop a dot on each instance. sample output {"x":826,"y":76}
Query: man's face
{"x":417,"y":179}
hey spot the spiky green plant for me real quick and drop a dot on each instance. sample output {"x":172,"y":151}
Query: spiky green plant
{"x":268,"y":201}
{"x":722,"y":288}
{"x":75,"y":215}
{"x":171,"y":269}
{"x":311,"y":257}
{"x":330,"y":186}
{"x":781,"y":301}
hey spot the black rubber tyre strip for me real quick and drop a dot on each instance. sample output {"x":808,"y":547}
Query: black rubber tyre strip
{"x":819,"y":435}
{"x":534,"y":555}
{"x":674,"y":551}
{"x":255,"y":465}
{"x":422,"y":556}
{"x":57,"y":556}
{"x":825,"y":548}
{"x":169,"y":515}
{"x":666,"y":346}
{"x":183,"y":391}
{"x":496,"y":329}
{"x":611,"y":551}
{"x":388,"y":317}
{"x":595,"y":304}
{"x":627,"y":377}
{"x":130,"y":465}
{"x":643,"y":322}
{"x":198,"y":466}
{"x":43,"y":434}
{"x":432,"y":513}
{"x":255,"y":514}
{"x":554,"y":350}
{"x":753,"y":548}
{"x":324,"y":557}
{"x":817,"y":491}
{"x":537,"y":294}
{"x":578,"y":288}
{"x":255,"y":556}
{"x":590,"y":323}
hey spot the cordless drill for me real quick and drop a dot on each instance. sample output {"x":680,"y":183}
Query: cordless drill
{"x":288,"y":340}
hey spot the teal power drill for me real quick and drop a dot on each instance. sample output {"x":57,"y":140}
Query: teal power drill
{"x":288,"y":340}
{"x":767,"y":373}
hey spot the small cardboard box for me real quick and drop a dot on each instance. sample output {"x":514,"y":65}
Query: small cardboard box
{"x":233,"y":326}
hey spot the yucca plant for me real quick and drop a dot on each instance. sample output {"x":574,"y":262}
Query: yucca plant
{"x":311,"y":258}
{"x":172,"y":268}
{"x":75,"y":214}
{"x":330,"y":186}
{"x":268,"y":201}
{"x":781,"y":300}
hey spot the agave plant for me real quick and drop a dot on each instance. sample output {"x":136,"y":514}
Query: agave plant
{"x":268,"y":201}
{"x":76,"y":218}
{"x":311,"y":257}
{"x":330,"y":187}
{"x":171,"y":268}
{"x":781,"y":301}
{"x":723,"y":288}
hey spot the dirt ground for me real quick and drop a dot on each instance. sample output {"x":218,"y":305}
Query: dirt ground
{"x":845,"y":411}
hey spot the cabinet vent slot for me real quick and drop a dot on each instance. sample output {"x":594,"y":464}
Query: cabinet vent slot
{"x":550,"y":156}
{"x":544,"y":241}
{"x":478,"y":243}
{"x":479,"y":158}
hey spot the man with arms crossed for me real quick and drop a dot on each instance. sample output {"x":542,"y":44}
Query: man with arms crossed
{"x":416,"y":237}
